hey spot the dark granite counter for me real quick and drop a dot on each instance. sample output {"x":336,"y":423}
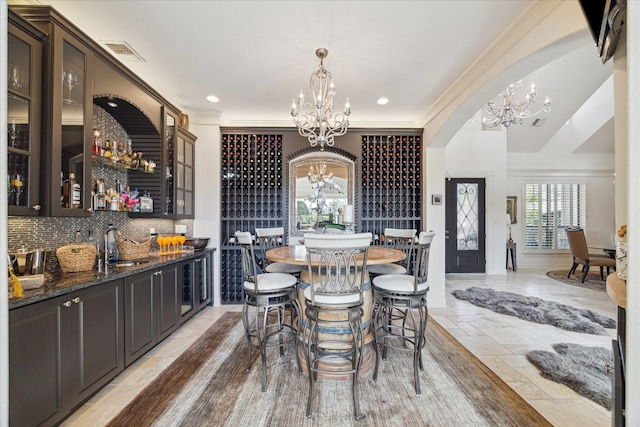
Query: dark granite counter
{"x":64,"y":283}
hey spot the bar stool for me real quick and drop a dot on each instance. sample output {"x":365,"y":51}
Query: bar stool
{"x":400,"y":239}
{"x":273,"y":298}
{"x":400,"y":310}
{"x":269,"y":238}
{"x":334,"y":306}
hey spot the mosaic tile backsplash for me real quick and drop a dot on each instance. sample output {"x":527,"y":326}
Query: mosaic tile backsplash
{"x":51,"y":233}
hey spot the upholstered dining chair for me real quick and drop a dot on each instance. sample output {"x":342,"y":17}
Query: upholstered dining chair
{"x":399,"y":315}
{"x":270,"y":306}
{"x":269,"y":238}
{"x":580,"y":253}
{"x":401,"y":239}
{"x":334,"y":299}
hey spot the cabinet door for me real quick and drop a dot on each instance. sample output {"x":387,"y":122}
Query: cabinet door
{"x":187,"y":286}
{"x":203,"y":278}
{"x":23,"y":122}
{"x":70,"y":134}
{"x":36,"y":340}
{"x":184,"y":175}
{"x":97,"y":328}
{"x":139,"y":316}
{"x":168,"y":302}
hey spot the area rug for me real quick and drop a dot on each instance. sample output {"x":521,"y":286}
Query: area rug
{"x":208,"y":385}
{"x":538,"y":310}
{"x":583,"y":369}
{"x":592,"y":281}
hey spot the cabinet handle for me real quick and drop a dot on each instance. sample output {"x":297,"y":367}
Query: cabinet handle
{"x":67,"y":304}
{"x":76,"y":300}
{"x":36,"y":207}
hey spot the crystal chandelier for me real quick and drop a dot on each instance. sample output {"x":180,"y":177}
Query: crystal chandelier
{"x":317,"y":121}
{"x":511,"y":111}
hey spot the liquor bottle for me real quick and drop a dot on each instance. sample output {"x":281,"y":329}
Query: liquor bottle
{"x":146,"y":203}
{"x":75,"y":191}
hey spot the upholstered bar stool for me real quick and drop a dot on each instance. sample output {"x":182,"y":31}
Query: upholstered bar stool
{"x":334,"y":307}
{"x":269,"y":238}
{"x":270,"y":307}
{"x":400,"y":239}
{"x":400,"y":310}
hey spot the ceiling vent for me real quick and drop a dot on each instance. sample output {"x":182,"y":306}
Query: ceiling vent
{"x":537,"y":123}
{"x":123,"y":52}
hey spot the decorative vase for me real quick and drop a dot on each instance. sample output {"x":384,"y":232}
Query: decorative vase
{"x":621,"y":260}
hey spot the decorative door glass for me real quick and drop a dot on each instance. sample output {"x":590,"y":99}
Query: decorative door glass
{"x":467,"y":216}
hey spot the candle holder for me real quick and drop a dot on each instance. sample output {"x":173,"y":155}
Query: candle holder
{"x":349,"y":227}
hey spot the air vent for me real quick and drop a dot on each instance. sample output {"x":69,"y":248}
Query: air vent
{"x":538,"y":123}
{"x":123,"y":52}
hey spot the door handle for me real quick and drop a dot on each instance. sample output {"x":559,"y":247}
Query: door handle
{"x":446,"y":234}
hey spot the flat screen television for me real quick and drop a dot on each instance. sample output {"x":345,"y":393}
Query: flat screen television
{"x":606,"y":20}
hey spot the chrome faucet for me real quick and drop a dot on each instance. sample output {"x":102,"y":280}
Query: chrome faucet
{"x":110,"y":231}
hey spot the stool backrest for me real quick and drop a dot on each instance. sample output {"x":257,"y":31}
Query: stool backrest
{"x":269,"y":238}
{"x":249,"y":265}
{"x":403,"y":240}
{"x":421,"y":265}
{"x":337,"y":263}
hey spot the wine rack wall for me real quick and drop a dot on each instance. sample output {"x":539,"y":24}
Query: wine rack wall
{"x":251,"y":198}
{"x":391,"y":182}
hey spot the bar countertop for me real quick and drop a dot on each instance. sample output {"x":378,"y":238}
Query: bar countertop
{"x":57,"y":284}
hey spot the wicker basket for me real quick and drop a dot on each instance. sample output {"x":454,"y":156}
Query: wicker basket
{"x":76,"y":257}
{"x":129,"y":250}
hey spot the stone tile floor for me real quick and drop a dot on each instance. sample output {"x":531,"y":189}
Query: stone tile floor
{"x":499,"y":341}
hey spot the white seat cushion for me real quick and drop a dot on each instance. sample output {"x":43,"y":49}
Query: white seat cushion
{"x":268,"y":282}
{"x":401,"y":283}
{"x":386,"y":269}
{"x":332,"y":299}
{"x":281,"y":267}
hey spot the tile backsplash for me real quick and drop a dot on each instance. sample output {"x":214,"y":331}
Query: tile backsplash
{"x":50,"y":233}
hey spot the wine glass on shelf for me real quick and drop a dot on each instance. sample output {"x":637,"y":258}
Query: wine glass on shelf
{"x":181,"y":240}
{"x":15,"y":76}
{"x":70,"y":81}
{"x":13,"y":133}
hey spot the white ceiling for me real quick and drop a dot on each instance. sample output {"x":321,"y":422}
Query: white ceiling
{"x":257,"y":55}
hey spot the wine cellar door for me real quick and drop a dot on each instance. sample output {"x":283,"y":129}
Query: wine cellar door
{"x":465,"y":228}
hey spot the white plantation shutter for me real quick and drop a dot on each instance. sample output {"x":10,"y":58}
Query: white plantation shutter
{"x":549,"y":209}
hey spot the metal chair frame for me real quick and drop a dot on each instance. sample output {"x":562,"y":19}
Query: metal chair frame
{"x":269,"y":238}
{"x":276,"y":308}
{"x":399,"y":316}
{"x":400,"y":239}
{"x":334,"y":301}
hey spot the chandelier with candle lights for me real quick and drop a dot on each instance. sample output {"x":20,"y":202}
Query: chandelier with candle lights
{"x":511,"y":111}
{"x":316,"y":121}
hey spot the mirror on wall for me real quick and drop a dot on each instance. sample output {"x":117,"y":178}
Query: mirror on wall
{"x":320,"y":185}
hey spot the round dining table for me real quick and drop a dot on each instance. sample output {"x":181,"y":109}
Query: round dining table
{"x":297,"y":254}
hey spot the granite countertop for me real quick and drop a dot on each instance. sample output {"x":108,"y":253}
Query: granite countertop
{"x":63,"y":283}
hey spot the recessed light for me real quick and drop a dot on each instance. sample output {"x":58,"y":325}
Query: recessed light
{"x":212,"y":98}
{"x":112,"y":104}
{"x":382,"y":101}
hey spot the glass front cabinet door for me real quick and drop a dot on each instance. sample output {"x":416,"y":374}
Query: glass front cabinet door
{"x":24,"y":65}
{"x":69,"y":137}
{"x":185,"y":157}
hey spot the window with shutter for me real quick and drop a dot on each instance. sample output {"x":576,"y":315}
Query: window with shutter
{"x":549,"y":209}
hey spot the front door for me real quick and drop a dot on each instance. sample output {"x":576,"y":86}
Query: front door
{"x":465,"y":228}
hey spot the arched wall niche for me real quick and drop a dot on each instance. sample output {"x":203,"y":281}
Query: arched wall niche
{"x":338,"y":169}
